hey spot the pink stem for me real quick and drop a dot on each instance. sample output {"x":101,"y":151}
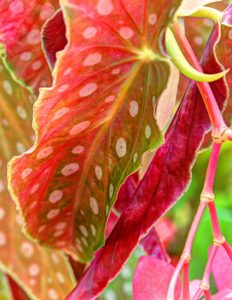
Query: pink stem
{"x":228,"y":249}
{"x":198,"y":294}
{"x":187,"y":250}
{"x":207,"y":190}
{"x":215,"y":223}
{"x":186,"y":294}
{"x":206,"y":276}
{"x":189,"y":242}
{"x":207,"y":295}
{"x":211,"y":170}
{"x":204,"y":88}
{"x":172,"y":285}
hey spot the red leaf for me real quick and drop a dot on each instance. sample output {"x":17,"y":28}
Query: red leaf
{"x":165,"y":181}
{"x":151,"y":243}
{"x":151,"y":279}
{"x":125,"y":193}
{"x":53,"y":37}
{"x":42,"y":273}
{"x":225,"y":55}
{"x":16,"y":291}
{"x":222,"y":270}
{"x":20,"y":25}
{"x":95,"y":123}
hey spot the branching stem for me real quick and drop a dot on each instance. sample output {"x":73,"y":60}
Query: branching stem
{"x":207,"y":198}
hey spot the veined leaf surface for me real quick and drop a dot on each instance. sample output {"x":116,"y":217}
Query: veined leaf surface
{"x":42,"y":273}
{"x":20,"y":25}
{"x":95,"y":122}
{"x":164,"y":182}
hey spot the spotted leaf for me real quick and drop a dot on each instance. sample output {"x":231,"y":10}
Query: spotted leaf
{"x":163,"y":184}
{"x":42,"y":273}
{"x":95,"y":122}
{"x":20,"y":25}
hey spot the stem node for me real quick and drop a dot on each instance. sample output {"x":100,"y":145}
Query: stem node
{"x":207,"y":197}
{"x":219,"y":242}
{"x":204,"y":286}
{"x":224,"y":135}
{"x":186,"y":257}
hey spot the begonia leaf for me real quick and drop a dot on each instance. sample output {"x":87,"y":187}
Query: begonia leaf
{"x":125,"y":193}
{"x":151,"y":279}
{"x":222,"y":270}
{"x":16,"y":291}
{"x":224,"y":53}
{"x":225,"y":294}
{"x":20,"y":25}
{"x":95,"y":122}
{"x":165,"y":181}
{"x":153,"y":246}
{"x":42,"y":273}
{"x":54,"y":37}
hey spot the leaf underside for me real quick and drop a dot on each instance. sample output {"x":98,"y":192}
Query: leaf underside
{"x":165,"y":181}
{"x":42,"y":273}
{"x":20,"y":26}
{"x":54,"y":37}
{"x":94,"y":124}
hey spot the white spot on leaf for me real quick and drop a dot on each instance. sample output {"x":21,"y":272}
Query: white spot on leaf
{"x":88,"y":89}
{"x":94,"y":205}
{"x":105,"y":7}
{"x":79,"y":128}
{"x":55,"y":196}
{"x":121,"y":147}
{"x":70,"y":169}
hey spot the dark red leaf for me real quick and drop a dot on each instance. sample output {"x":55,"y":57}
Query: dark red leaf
{"x":165,"y":181}
{"x":95,"y":123}
{"x":16,"y":291}
{"x":225,"y":56}
{"x":53,"y":37}
{"x":125,"y":193}
{"x":151,"y":279}
{"x":153,"y":246}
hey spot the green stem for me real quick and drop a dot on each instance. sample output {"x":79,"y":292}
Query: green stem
{"x":183,"y":65}
{"x":209,"y":13}
{"x":204,"y":88}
